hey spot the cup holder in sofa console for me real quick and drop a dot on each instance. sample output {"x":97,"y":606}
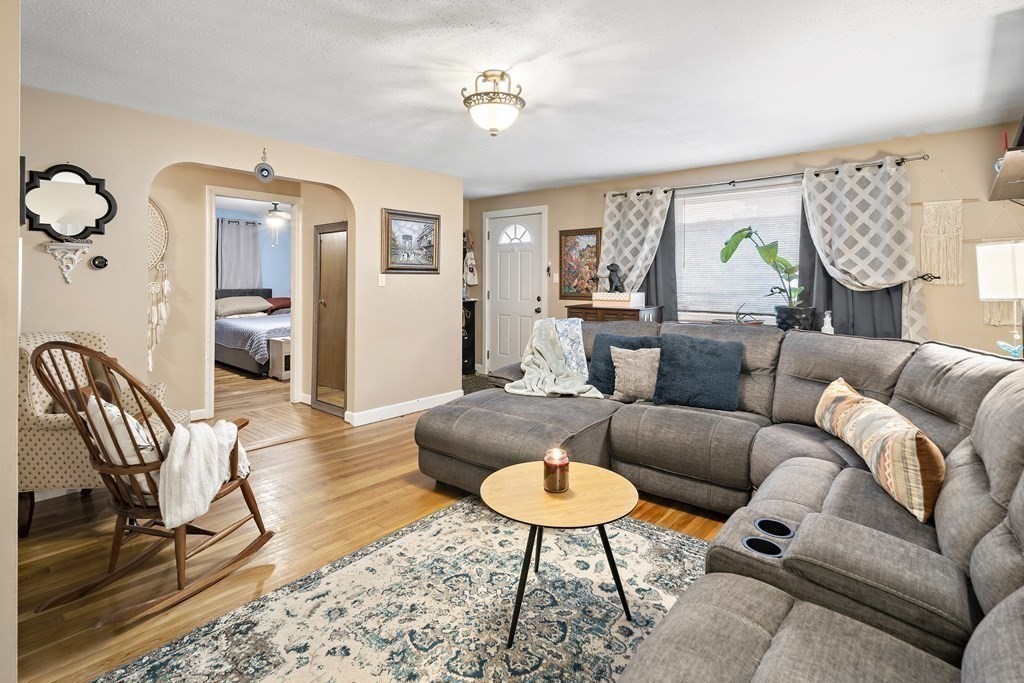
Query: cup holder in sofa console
{"x":762,"y":546}
{"x":773,"y":527}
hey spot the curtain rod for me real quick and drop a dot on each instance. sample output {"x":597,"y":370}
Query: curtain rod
{"x":899,"y":162}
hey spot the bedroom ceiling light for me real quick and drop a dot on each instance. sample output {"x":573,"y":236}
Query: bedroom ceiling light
{"x":276,"y":218}
{"x":493,"y":106}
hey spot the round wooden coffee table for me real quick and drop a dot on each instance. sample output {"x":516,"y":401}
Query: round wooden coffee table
{"x":596,"y":497}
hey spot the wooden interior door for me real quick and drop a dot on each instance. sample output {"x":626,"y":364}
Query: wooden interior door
{"x":329,"y":322}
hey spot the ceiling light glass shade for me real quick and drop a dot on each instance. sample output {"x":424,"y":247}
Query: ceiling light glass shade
{"x":276,"y":218}
{"x":1000,"y":271}
{"x":493,"y":107}
{"x":275,"y":221}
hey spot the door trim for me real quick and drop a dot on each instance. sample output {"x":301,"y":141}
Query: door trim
{"x":295,"y":394}
{"x":326,"y":228}
{"x":546,"y":264}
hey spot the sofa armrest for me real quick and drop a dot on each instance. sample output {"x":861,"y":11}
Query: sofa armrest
{"x":884,"y":572}
{"x":508,"y":373}
{"x":53,"y":422}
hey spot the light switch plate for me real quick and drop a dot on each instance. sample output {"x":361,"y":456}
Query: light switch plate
{"x":554,"y":278}
{"x":380,"y":280}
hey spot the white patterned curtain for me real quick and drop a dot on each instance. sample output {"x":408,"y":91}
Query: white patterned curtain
{"x":238,"y":254}
{"x":633,"y":223}
{"x":859,"y":220}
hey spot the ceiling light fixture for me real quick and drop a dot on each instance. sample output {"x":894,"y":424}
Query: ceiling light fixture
{"x":495,"y":107}
{"x":276,"y":219}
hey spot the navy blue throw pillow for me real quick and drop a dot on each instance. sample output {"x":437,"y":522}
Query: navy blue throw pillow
{"x":702,"y":373}
{"x":602,"y":370}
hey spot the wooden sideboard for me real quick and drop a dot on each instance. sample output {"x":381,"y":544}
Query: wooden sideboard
{"x":602,"y":314}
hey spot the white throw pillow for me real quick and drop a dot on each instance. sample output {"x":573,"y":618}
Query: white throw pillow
{"x":233,"y":305}
{"x":120,"y":428}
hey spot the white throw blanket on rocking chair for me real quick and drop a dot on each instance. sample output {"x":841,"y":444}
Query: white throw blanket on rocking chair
{"x":198,"y":462}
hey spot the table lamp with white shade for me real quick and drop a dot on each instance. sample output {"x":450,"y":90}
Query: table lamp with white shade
{"x":1001,"y":278}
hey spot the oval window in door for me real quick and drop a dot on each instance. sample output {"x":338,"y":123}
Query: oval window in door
{"x":515,"y":234}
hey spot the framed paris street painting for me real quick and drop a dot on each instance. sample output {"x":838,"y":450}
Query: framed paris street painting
{"x":578,"y":255}
{"x":409,"y":243}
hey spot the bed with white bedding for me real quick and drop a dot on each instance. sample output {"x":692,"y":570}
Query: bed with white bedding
{"x":244,"y":342}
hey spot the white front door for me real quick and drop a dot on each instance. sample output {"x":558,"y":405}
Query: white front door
{"x":515,"y":280}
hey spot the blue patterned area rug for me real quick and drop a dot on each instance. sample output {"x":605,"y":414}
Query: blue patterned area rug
{"x":432,"y":602}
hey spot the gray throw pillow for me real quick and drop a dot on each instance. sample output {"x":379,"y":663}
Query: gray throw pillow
{"x":702,"y":373}
{"x":636,"y":373}
{"x":602,"y":371}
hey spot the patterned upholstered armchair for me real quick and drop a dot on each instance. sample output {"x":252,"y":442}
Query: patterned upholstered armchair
{"x":51,"y":454}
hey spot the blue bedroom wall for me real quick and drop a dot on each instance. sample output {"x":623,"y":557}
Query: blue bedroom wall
{"x":275,"y":261}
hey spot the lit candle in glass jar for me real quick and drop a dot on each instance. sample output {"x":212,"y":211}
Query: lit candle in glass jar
{"x":556,"y":470}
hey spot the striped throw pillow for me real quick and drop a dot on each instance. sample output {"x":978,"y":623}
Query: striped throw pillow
{"x":901,"y":458}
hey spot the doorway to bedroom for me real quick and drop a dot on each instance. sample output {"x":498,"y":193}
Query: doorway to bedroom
{"x":252,"y":352}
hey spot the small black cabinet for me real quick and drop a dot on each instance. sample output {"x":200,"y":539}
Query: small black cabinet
{"x":468,"y":336}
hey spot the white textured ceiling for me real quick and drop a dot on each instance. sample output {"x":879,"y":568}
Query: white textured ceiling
{"x":612,"y":88}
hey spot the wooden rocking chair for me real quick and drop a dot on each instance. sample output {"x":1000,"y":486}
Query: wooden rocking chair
{"x":128,"y":461}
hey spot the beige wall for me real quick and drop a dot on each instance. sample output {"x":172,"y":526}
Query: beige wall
{"x":10,"y":77}
{"x":966,"y":157}
{"x":404,"y":336}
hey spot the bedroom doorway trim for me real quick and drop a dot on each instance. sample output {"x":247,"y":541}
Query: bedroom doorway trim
{"x":297,"y":245}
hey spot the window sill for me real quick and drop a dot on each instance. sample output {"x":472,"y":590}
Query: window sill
{"x":692,"y":317}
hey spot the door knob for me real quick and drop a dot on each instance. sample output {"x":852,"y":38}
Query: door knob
{"x":322,"y":302}
{"x":537,"y":310}
{"x":538,"y":298}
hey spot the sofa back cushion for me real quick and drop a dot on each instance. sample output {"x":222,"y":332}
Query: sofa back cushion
{"x":810,"y":361}
{"x":993,"y":652}
{"x":982,"y":472}
{"x":941,"y":388}
{"x":624,"y":328}
{"x":997,"y":563}
{"x":757,"y":363}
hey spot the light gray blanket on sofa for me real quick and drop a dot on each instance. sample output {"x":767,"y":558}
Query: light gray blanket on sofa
{"x":545,"y":372}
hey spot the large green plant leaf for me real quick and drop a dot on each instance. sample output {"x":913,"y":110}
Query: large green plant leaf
{"x":794,"y":298}
{"x":733,"y":243}
{"x":769,"y":253}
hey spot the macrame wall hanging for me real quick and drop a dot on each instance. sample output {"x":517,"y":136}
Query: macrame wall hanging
{"x":942,"y":239}
{"x":159,"y":287}
{"x":1000,"y":313}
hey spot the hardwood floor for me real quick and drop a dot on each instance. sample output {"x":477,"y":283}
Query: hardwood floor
{"x":325,"y":487}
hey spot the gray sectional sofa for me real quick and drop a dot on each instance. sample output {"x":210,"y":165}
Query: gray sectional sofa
{"x":838,"y":561}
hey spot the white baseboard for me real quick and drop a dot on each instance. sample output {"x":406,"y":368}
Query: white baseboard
{"x":305,"y":398}
{"x":200,"y":414}
{"x":480,"y":369}
{"x":53,"y":493}
{"x":365,"y":417}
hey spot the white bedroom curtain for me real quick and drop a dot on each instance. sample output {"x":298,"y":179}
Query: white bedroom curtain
{"x":859,"y":220}
{"x":238,"y":254}
{"x":633,"y":223}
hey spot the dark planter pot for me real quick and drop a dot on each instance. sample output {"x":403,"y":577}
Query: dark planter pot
{"x":794,"y":318}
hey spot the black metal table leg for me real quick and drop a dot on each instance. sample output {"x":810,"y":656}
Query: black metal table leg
{"x":540,"y":542}
{"x":615,"y":570}
{"x":522,"y":585}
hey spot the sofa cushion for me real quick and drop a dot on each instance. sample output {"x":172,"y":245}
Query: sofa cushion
{"x":903,"y":460}
{"x":701,"y":373}
{"x":494,"y":429}
{"x":778,"y":443}
{"x":801,"y":486}
{"x":982,"y":472}
{"x":512,"y":372}
{"x":997,"y":563}
{"x":993,"y":653}
{"x":732,"y":628}
{"x":758,"y":362}
{"x":623,"y":328}
{"x":602,"y":370}
{"x":941,"y":388}
{"x":810,"y":361}
{"x":707,"y":445}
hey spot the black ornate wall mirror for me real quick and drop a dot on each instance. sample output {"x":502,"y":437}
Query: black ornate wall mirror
{"x":67,"y":203}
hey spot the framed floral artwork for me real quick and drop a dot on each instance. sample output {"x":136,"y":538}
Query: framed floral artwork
{"x":409,"y":242}
{"x":578,"y":254}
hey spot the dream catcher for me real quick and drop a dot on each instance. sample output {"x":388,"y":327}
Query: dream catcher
{"x":159,"y":288}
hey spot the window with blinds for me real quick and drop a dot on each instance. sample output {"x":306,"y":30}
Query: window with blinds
{"x":706,"y":219}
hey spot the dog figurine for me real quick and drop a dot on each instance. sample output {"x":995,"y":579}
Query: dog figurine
{"x":614,"y":279}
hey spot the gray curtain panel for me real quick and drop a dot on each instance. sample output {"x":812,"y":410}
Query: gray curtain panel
{"x":238,"y":254}
{"x":866,"y":314}
{"x":660,"y":283}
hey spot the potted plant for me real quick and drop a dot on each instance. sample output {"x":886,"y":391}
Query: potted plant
{"x":792,"y":315}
